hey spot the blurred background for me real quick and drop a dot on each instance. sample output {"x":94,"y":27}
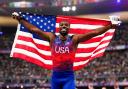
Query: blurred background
{"x":107,"y":72}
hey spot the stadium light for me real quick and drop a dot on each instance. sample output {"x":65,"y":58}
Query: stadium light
{"x":7,"y":86}
{"x":118,"y":1}
{"x":21,"y":86}
{"x":63,"y":8}
{"x":21,"y":4}
{"x":69,"y":8}
{"x":1,"y":33}
{"x":73,"y":8}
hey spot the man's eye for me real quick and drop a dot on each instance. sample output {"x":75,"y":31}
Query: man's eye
{"x":66,"y":24}
{"x":61,"y":24}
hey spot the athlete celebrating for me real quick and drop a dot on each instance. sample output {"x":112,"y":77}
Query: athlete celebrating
{"x":63,"y":49}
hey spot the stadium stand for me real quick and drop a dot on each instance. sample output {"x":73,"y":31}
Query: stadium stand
{"x":102,"y":71}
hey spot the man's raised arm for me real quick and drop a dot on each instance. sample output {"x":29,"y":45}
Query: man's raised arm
{"x":47,"y":35}
{"x":96,"y":32}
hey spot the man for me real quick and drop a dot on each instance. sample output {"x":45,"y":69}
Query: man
{"x":63,"y":49}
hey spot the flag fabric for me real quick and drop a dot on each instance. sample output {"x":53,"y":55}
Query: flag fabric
{"x":30,"y":47}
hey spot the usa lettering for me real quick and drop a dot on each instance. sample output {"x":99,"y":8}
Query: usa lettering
{"x":61,"y":49}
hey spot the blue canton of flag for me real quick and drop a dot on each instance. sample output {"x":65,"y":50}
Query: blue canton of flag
{"x":44,"y":22}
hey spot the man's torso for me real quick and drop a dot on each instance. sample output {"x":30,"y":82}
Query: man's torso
{"x":63,"y":54}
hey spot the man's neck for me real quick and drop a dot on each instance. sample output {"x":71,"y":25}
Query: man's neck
{"x":63,"y":38}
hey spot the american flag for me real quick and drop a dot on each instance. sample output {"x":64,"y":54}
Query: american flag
{"x":30,"y":47}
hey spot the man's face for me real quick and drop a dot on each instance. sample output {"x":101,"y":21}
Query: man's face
{"x":64,"y":28}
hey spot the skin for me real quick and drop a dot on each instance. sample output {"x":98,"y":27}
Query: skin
{"x":49,"y":36}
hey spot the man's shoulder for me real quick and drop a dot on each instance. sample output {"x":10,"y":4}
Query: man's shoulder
{"x":75,"y":38}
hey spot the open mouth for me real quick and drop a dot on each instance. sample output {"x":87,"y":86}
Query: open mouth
{"x":63,"y":30}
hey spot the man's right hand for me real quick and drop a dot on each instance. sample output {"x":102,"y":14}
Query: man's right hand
{"x":16,"y":16}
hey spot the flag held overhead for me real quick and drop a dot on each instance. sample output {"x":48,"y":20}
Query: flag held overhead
{"x":30,"y":47}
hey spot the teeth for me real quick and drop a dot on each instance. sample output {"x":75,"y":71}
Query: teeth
{"x":63,"y":29}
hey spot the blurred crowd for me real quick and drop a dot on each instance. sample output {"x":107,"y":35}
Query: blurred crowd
{"x":121,"y":36}
{"x":19,"y":71}
{"x":104,"y":70}
{"x":6,"y":41}
{"x":72,"y":2}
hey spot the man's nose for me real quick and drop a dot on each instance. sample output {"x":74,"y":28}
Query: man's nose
{"x":64,"y":26}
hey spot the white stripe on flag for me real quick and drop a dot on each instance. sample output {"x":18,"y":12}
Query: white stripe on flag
{"x":48,"y":53}
{"x":100,"y":51}
{"x":83,"y":54}
{"x":37,"y":41}
{"x":82,"y":26}
{"x":80,"y":63}
{"x":33,"y":55}
{"x":89,"y":54}
{"x":90,"y":45}
{"x":103,"y":45}
{"x":30,"y":44}
{"x":14,"y":43}
{"x":109,"y":31}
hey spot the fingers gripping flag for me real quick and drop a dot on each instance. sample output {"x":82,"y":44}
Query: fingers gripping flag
{"x":30,"y":47}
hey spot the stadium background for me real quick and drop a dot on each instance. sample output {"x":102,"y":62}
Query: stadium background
{"x":107,"y":72}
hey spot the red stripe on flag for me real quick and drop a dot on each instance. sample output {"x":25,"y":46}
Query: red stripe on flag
{"x":33,"y":50}
{"x":85,"y":50}
{"x":29,"y":39}
{"x":96,"y":56}
{"x":77,"y":20}
{"x":78,"y":59}
{"x":97,"y":39}
{"x":75,"y":68}
{"x":32,"y":60}
{"x":75,"y":31}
